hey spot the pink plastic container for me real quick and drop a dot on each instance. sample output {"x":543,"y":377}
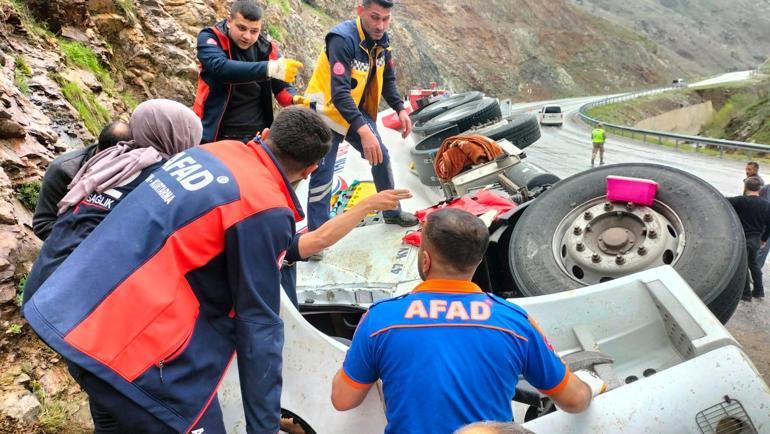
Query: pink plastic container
{"x":636,"y":190}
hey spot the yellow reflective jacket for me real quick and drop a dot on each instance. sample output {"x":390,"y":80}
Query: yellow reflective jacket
{"x":598,"y":135}
{"x":319,"y":90}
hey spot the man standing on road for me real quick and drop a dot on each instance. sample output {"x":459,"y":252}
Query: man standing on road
{"x":352,"y":72}
{"x":598,"y":136}
{"x":438,"y":349}
{"x":240,"y":71}
{"x":752,"y":169}
{"x":754,"y":213}
{"x":61,"y":171}
{"x":192,"y":275}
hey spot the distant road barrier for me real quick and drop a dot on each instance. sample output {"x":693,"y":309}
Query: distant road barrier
{"x":750,"y":148}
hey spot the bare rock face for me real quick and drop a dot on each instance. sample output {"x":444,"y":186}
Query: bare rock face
{"x":23,"y":407}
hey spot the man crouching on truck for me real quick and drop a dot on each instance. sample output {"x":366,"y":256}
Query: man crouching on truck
{"x":449,"y":354}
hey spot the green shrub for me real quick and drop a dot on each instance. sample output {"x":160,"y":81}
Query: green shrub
{"x":77,"y":54}
{"x":275,"y":32}
{"x":93,"y":113}
{"x":21,"y":74}
{"x":20,"y":290}
{"x":27,"y":193}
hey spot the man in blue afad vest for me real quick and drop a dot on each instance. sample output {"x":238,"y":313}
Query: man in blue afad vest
{"x":438,"y":349}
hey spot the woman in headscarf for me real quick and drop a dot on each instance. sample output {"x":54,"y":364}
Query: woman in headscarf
{"x":160,"y":128}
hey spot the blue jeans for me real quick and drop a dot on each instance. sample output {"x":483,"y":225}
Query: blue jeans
{"x":322,"y":180}
{"x":762,"y":255}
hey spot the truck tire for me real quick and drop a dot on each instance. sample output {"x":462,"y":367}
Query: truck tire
{"x":465,"y":117}
{"x":430,"y":111}
{"x":547,"y":251}
{"x":522,"y":130}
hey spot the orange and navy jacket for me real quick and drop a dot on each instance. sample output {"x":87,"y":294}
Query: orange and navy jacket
{"x":180,"y":275}
{"x":448,"y":355}
{"x":219,"y":72}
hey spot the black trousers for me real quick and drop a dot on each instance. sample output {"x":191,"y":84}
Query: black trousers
{"x":114,"y":413}
{"x":755,"y":270}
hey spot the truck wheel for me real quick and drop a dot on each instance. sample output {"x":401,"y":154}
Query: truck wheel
{"x":522,"y":131}
{"x":430,"y":111}
{"x":571,"y":236}
{"x":465,"y":116}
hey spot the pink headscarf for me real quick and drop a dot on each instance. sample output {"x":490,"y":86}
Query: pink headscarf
{"x":160,"y":128}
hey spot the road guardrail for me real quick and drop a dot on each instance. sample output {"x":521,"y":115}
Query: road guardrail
{"x":678,"y":139}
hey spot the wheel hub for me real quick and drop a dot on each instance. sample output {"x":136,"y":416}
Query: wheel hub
{"x":601,"y":240}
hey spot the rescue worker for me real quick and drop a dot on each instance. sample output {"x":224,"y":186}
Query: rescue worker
{"x":152,"y":306}
{"x":240,"y":72}
{"x":754,"y":213}
{"x":161,"y":128}
{"x":353,"y":71}
{"x":61,"y":171}
{"x":438,"y":349}
{"x":598,"y":137}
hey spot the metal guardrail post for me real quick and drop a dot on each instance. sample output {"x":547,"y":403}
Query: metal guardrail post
{"x":721,"y":152}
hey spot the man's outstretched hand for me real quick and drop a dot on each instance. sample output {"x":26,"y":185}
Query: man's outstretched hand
{"x":385,"y":200}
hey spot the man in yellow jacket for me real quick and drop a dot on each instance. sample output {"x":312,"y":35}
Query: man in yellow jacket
{"x":598,"y":136}
{"x":352,"y":73}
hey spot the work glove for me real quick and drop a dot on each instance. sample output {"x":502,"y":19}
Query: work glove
{"x":596,"y":384}
{"x":300,"y":100}
{"x":284,"y":69}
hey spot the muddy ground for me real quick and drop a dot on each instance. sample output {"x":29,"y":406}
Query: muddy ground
{"x":751,"y":327}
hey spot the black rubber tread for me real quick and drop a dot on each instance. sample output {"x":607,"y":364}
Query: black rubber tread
{"x":434,"y":109}
{"x":522,"y":131}
{"x":713,"y":261}
{"x":465,"y":117}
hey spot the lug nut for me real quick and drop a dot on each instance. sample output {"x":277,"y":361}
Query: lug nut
{"x":642,"y":251}
{"x":580,"y":247}
{"x":620,"y":260}
{"x":595,"y":258}
{"x":588,"y":215}
{"x":607,"y":206}
{"x":630,"y":206}
{"x":577,"y":230}
{"x":652,"y":234}
{"x":647,"y":217}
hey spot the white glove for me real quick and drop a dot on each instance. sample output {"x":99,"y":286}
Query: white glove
{"x":596,"y":384}
{"x":284,"y":69}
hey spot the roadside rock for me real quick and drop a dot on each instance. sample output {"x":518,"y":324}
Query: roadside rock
{"x":20,"y":406}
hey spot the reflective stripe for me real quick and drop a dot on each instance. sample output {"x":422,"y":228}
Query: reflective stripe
{"x":323,"y":188}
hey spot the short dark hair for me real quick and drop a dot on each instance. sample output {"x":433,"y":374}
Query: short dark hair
{"x":113,"y":133}
{"x":753,"y":183}
{"x":753,"y":164}
{"x":456,"y":236}
{"x":497,"y":428}
{"x":384,"y":3}
{"x":299,"y":138}
{"x":249,"y":9}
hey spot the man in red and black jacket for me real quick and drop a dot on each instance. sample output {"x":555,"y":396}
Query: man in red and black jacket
{"x":192,"y":276}
{"x":240,"y":71}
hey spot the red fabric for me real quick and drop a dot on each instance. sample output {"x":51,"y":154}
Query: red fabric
{"x":391,"y":121}
{"x":478,"y":204}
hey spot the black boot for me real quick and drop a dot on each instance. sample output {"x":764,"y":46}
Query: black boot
{"x":404,"y":219}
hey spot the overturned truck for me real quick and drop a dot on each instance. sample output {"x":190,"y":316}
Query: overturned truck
{"x":647,"y":281}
